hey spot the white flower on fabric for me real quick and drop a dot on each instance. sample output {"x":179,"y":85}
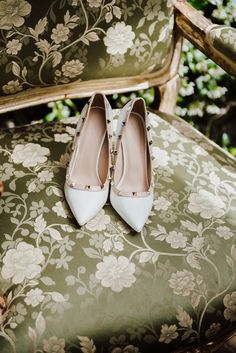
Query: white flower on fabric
{"x":72,"y":120}
{"x":207,"y":204}
{"x":72,"y":68}
{"x":123,"y":227}
{"x":182,"y":282}
{"x":96,"y":240}
{"x":34,"y":297}
{"x":108,"y":245}
{"x":94,"y":3}
{"x":60,"y":33}
{"x":229,"y":37}
{"x":13,"y":46}
{"x":152,"y":9}
{"x":169,"y":135}
{"x":161,"y":157}
{"x":209,"y":167}
{"x":108,"y":17}
{"x":45,"y":175}
{"x":60,"y":208}
{"x":119,"y":38}
{"x":6,"y":171}
{"x":138,"y":48}
{"x":224,"y":232}
{"x":230,"y":304}
{"x":214,"y":179}
{"x":12,"y":12}
{"x":198,"y":243}
{"x":22,"y":263}
{"x":161,"y":203}
{"x":154,"y":119}
{"x":168,"y":333}
{"x":11,"y":87}
{"x":213,"y":329}
{"x":64,"y":138}
{"x":176,"y":240}
{"x":70,"y":130}
{"x":117,"y":60}
{"x":30,"y":154}
{"x":179,"y":158}
{"x":54,"y":345}
{"x":118,"y":246}
{"x":199,"y":151}
{"x":99,"y":222}
{"x":116,"y":273}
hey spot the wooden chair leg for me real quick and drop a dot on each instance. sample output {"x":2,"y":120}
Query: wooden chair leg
{"x":168,"y":95}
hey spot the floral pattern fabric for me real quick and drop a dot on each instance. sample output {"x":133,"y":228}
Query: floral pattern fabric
{"x":103,"y":287}
{"x":223,"y":38}
{"x":66,"y":40}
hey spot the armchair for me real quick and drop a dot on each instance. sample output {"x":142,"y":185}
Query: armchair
{"x":101,"y":287}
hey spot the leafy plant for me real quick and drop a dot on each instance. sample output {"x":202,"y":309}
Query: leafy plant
{"x":61,"y":110}
{"x":206,"y":90}
{"x":121,"y":99}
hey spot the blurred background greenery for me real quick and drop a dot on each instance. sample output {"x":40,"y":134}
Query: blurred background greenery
{"x":207,"y":96}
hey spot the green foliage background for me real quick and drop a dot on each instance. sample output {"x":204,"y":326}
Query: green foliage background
{"x":207,"y":92}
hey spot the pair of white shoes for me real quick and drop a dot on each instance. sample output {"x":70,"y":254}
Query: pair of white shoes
{"x":95,"y":164}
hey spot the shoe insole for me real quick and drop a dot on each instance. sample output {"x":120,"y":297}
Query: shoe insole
{"x":90,"y":165}
{"x":132,"y":161}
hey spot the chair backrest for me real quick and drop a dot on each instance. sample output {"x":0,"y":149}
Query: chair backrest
{"x":51,"y":43}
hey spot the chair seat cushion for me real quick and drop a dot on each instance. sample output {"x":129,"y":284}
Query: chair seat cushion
{"x":103,"y":287}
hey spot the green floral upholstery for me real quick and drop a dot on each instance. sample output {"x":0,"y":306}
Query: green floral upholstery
{"x":102,"y":287}
{"x":66,"y":40}
{"x":223,"y":39}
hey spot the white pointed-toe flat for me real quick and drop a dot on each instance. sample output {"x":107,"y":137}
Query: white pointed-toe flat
{"x":132,"y":178}
{"x":88,"y":173}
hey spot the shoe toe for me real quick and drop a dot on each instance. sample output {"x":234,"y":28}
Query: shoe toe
{"x":85,"y":204}
{"x":134,"y":210}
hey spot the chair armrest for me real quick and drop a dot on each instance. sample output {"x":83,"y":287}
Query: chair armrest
{"x":212,"y":40}
{"x":223,"y":39}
